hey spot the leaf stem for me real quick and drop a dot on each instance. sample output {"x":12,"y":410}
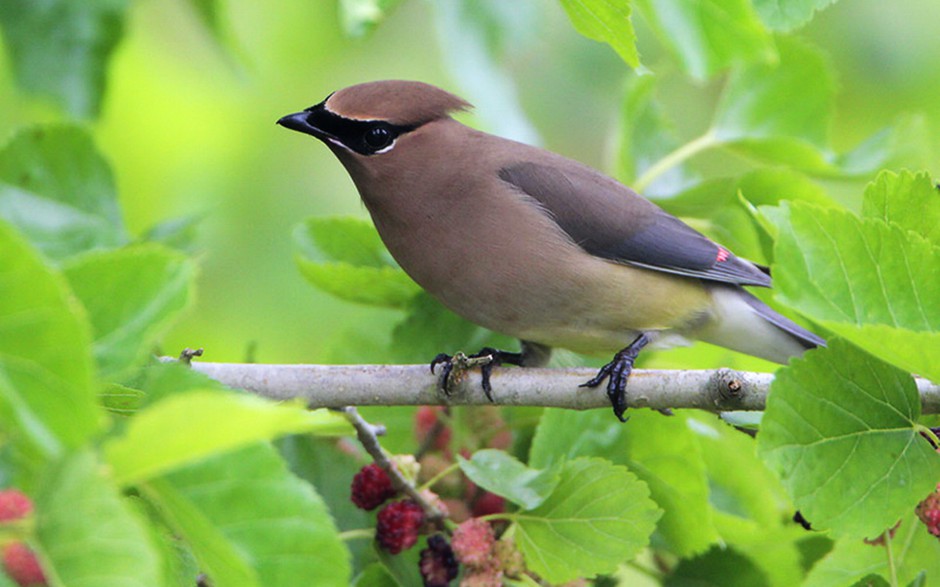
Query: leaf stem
{"x":430,"y":482}
{"x":892,"y":569}
{"x":929,"y":433}
{"x":645,"y":571}
{"x":674,"y":158}
{"x":358,"y":534}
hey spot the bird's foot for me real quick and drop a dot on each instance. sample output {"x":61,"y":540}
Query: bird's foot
{"x":453,"y":368}
{"x":617,"y":372}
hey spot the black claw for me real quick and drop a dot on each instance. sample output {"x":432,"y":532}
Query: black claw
{"x":617,"y":372}
{"x":496,"y":358}
{"x":440,"y":359}
{"x":485,"y":371}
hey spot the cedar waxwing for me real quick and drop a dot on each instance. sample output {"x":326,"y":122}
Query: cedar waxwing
{"x":536,"y":246}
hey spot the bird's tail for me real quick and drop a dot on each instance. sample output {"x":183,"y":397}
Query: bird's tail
{"x":748,"y":325}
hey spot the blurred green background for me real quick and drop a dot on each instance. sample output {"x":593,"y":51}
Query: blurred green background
{"x":188,"y":126}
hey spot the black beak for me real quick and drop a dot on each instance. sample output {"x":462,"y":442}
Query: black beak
{"x":300,"y":121}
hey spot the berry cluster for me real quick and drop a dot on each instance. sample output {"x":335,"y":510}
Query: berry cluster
{"x":399,"y":522}
{"x":19,"y":561}
{"x":929,"y":512}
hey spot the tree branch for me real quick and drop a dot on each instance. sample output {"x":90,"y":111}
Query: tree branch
{"x":335,"y":386}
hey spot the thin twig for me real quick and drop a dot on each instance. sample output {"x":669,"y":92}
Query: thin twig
{"x":368,"y":437}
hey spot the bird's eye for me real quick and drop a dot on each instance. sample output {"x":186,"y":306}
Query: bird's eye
{"x":378,"y":137}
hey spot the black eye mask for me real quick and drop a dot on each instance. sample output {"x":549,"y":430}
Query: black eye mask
{"x":366,"y":137}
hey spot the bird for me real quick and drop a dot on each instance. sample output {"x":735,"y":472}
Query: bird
{"x":537,"y":246}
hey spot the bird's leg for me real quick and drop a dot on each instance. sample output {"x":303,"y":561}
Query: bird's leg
{"x":453,"y":367}
{"x":617,"y":372}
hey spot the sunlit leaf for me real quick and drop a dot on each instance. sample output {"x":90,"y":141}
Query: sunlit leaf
{"x":192,"y":426}
{"x":500,"y":473}
{"x":911,"y":201}
{"x":787,"y":15}
{"x":250,"y":521}
{"x":707,"y":36}
{"x":839,"y":431}
{"x":88,"y":532}
{"x":345,"y":257}
{"x":645,"y":137}
{"x":132,"y":296}
{"x":871,"y":282}
{"x":598,"y":516}
{"x":607,"y":22}
{"x":70,"y":63}
{"x":770,"y":100}
{"x":46,"y":390}
{"x":58,"y":190}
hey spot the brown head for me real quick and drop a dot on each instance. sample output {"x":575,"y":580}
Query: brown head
{"x":366,"y":119}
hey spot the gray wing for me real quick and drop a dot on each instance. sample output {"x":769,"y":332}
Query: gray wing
{"x":611,"y":221}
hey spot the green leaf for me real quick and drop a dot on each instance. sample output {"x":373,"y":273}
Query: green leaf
{"x":326,"y":465}
{"x":341,"y":238}
{"x":772,"y":548}
{"x":375,"y":575}
{"x":88,"y":532}
{"x":58,"y":190}
{"x":598,"y":516}
{"x":739,"y":483}
{"x":360,"y":17}
{"x":663,"y":452}
{"x":132,"y":296}
{"x":215,"y":554}
{"x":160,"y":379}
{"x":707,"y":36}
{"x":478,"y":40}
{"x":839,"y":431}
{"x":719,"y":567}
{"x":607,"y":22}
{"x":500,"y":473}
{"x":188,"y":427}
{"x":728,"y":205}
{"x":120,"y":399}
{"x":908,"y":200}
{"x":770,"y":100}
{"x":250,"y":521}
{"x":61,"y":48}
{"x":46,"y":370}
{"x":788,"y":15}
{"x":904,"y":144}
{"x":403,"y":567}
{"x":646,"y":136}
{"x":915,"y":550}
{"x":345,"y":257}
{"x":868,"y":281}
